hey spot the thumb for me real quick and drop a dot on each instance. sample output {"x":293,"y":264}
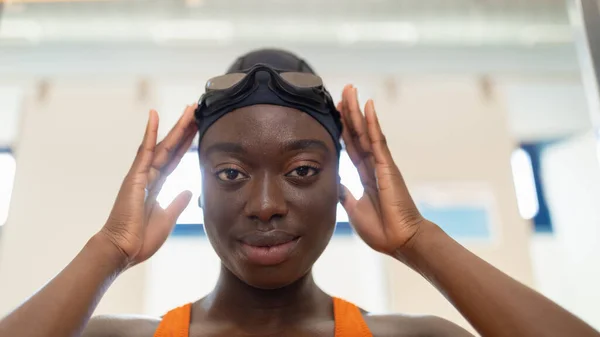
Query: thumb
{"x":347,"y":199}
{"x":160,"y":227}
{"x":178,"y":205}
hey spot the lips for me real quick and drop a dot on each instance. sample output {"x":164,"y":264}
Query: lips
{"x":268,"y":248}
{"x":268,"y":239}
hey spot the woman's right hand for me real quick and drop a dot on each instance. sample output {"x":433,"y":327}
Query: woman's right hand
{"x":138,"y":225}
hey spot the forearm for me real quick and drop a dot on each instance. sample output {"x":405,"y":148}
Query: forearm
{"x":64,"y":305}
{"x":494,"y":303}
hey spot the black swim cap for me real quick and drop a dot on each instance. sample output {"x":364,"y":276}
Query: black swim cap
{"x":282,"y":61}
{"x":276,"y":58}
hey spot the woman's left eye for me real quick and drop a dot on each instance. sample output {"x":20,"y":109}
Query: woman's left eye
{"x":303,"y":172}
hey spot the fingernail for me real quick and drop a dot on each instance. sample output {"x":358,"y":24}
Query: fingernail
{"x":341,"y":192}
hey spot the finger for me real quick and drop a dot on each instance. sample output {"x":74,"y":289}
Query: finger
{"x":157,"y":184}
{"x":345,"y":135}
{"x":153,"y":192}
{"x":143,"y":159}
{"x":178,"y":205}
{"x":351,"y":148}
{"x":347,"y":200}
{"x":184,"y":148}
{"x":365,"y":173}
{"x":357,"y":127}
{"x":168,"y":146}
{"x":162,"y":225}
{"x":381,"y":152}
{"x":389,"y":177}
{"x":357,"y":156}
{"x":344,"y":110}
{"x":175,"y":158}
{"x":356,"y":122}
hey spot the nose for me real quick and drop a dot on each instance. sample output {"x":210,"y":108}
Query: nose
{"x":266,"y":200}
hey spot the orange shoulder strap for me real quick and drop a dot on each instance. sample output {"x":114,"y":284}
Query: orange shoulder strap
{"x":349,"y":321}
{"x":176,"y":323}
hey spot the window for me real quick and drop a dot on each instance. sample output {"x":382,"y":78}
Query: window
{"x":524,"y":181}
{"x":10,"y":101}
{"x":527,"y":175}
{"x":350,"y":179}
{"x":7,"y":175}
{"x":187,"y":177}
{"x":598,"y":144}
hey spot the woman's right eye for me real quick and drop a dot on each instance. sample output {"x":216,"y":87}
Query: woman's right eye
{"x":230,"y":175}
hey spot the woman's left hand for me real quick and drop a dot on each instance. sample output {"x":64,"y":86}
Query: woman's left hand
{"x":385,"y":217}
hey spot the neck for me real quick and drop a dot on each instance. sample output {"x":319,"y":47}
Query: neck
{"x":235,"y":301}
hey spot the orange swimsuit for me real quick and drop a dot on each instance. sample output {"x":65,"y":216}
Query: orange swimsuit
{"x":349,"y":321}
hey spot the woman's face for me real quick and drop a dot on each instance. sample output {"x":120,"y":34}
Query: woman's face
{"x":270,"y":189}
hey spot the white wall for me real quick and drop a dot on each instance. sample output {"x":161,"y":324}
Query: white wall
{"x":572,"y":179}
{"x":75,"y":145}
{"x":545,"y":107}
{"x":182,"y":61}
{"x":453,"y":130}
{"x":548,"y":266}
{"x":10,"y":99}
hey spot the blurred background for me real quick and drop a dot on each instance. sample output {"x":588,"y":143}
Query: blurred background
{"x":490,"y":107}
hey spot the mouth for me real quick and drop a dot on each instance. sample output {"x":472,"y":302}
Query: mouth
{"x":268,"y":248}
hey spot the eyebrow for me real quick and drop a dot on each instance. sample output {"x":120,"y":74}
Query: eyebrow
{"x":225,"y":147}
{"x":294,"y":145}
{"x":304,"y":144}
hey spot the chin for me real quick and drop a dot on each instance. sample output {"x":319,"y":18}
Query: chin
{"x":268,"y":284}
{"x":272,"y":277}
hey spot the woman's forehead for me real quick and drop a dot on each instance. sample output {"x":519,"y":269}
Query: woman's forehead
{"x":265,"y":126}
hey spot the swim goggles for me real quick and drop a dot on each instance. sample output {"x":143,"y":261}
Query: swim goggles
{"x":263,"y":84}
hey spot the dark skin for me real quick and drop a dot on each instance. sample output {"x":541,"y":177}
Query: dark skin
{"x":259,"y":181}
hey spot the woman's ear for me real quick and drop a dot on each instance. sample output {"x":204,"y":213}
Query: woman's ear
{"x":200,"y":201}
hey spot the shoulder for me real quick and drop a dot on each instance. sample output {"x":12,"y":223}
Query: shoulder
{"x":406,"y":325}
{"x":121,"y":326}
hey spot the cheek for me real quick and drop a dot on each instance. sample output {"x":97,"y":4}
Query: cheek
{"x":220,"y":214}
{"x":317,"y":212}
{"x":317,"y":205}
{"x":220,"y":210}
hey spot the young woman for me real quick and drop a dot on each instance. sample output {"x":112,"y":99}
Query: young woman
{"x":269,"y":149}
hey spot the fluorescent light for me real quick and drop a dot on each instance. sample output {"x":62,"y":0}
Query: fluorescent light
{"x":20,"y":29}
{"x":378,"y":32}
{"x":598,"y":145}
{"x":209,"y":30}
{"x":7,"y":176}
{"x":546,"y":34}
{"x":524,"y":181}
